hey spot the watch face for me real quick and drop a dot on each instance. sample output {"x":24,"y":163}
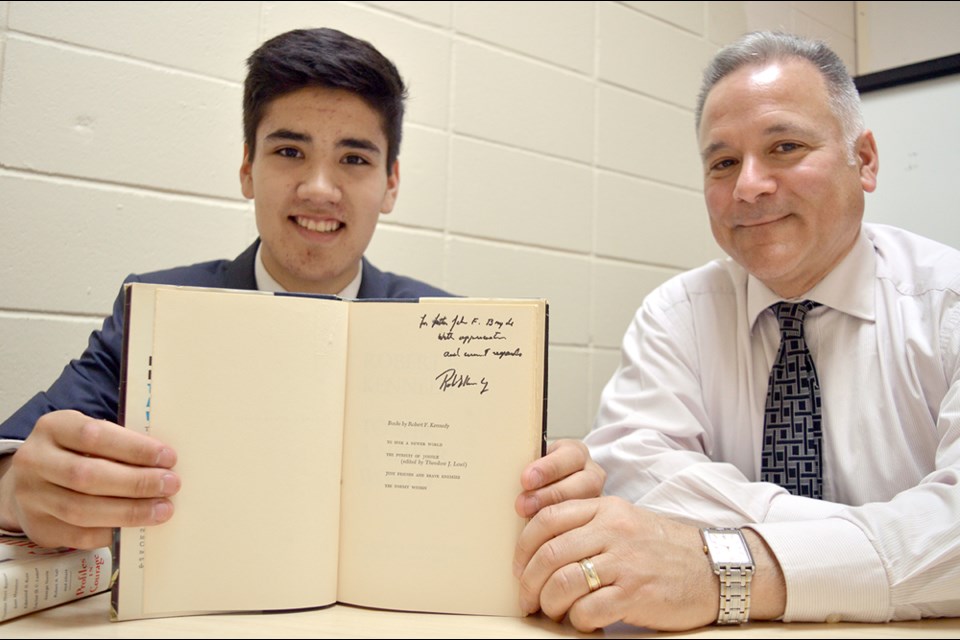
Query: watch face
{"x":727,"y":547}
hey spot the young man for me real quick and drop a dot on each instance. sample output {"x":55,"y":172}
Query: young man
{"x":800,"y":400}
{"x":323,"y":116}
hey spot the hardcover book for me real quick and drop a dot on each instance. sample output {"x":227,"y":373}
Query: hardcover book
{"x":365,"y":452}
{"x":34,"y":578}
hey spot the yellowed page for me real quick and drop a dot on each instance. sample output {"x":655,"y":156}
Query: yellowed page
{"x":248,"y":388}
{"x":444,"y":409}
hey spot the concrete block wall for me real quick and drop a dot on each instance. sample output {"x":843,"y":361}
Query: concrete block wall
{"x":549,"y":151}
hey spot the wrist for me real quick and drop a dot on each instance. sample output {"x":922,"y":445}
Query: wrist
{"x":769,"y":589}
{"x":732,"y":563}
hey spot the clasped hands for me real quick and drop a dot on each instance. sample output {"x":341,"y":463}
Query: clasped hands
{"x":652,"y":571}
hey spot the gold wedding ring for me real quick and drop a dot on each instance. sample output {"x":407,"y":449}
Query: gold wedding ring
{"x":590,"y":573}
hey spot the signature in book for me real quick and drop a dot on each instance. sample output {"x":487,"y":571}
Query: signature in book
{"x":452,"y":379}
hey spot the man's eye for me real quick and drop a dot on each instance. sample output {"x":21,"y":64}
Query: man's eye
{"x":289,"y":152}
{"x":720,"y":165}
{"x":786,"y":147}
{"x":352,"y":159}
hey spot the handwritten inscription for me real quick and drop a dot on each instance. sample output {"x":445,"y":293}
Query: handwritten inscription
{"x":471,"y":338}
{"x":465,"y":331}
{"x":499,"y":355}
{"x":451,"y":379}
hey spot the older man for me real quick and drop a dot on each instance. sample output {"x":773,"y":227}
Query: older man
{"x":783,"y":435}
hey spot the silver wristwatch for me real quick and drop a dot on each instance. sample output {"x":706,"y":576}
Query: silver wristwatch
{"x":731,"y":560}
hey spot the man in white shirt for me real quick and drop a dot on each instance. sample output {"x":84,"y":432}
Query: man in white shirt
{"x":681,"y":431}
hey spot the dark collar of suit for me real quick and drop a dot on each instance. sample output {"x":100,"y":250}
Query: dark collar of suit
{"x":239,"y":274}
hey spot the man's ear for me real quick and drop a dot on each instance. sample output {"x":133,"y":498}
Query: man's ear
{"x":246,"y":174}
{"x":393,"y":188}
{"x":868,"y":160}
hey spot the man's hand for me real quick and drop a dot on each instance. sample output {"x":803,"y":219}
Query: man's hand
{"x":653,"y":572}
{"x":567,"y":472}
{"x":75,"y":478}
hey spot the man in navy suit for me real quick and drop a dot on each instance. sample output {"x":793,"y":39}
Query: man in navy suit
{"x":322,"y":119}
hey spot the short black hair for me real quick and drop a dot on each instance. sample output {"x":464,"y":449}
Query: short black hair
{"x":325,"y":58}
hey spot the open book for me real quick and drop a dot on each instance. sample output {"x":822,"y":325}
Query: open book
{"x":367,"y":452}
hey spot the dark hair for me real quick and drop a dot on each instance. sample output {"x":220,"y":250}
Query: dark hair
{"x":761,"y":47}
{"x":325,"y":58}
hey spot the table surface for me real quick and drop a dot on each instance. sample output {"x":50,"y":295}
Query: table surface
{"x":89,"y":618}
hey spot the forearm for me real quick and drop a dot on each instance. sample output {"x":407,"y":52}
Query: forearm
{"x":656,"y":471}
{"x":830,"y":569}
{"x":895,"y":560}
{"x":877,"y":562}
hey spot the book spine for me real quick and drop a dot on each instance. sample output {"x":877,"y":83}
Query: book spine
{"x":40,"y":582}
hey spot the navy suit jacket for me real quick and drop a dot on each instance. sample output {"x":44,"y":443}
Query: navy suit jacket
{"x":91,"y":383}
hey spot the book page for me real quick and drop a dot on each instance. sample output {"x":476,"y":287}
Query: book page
{"x":444,"y":409}
{"x":248,"y":389}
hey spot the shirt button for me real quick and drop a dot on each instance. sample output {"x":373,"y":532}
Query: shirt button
{"x":833,"y":618}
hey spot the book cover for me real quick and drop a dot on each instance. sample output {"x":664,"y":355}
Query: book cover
{"x":366,"y":452}
{"x":34,"y":578}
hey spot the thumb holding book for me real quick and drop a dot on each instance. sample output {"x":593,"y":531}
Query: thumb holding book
{"x":566,"y":472}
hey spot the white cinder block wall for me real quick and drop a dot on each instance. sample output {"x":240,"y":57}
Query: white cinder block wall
{"x":549,"y":151}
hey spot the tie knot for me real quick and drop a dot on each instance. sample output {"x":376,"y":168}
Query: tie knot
{"x":790,"y":315}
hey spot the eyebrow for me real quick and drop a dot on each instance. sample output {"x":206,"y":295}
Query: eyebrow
{"x":789,"y":128}
{"x":775,"y":129}
{"x":348,"y":143}
{"x":359,"y":143}
{"x":287,"y":134}
{"x":712,"y":149}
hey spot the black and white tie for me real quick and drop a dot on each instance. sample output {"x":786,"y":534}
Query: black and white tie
{"x":792,"y":436}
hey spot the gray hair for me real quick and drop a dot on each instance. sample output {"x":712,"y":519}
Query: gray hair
{"x":760,"y":47}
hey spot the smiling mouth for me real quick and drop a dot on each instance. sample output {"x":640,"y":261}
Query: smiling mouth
{"x":762,"y":222}
{"x":320,"y":226}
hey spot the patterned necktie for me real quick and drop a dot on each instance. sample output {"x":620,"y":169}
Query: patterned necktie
{"x":792,"y":438}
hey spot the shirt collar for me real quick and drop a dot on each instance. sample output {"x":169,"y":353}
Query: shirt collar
{"x":266,"y":282}
{"x":849,"y":287}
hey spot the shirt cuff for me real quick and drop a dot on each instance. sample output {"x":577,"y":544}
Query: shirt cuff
{"x":8,"y":447}
{"x":831,"y":569}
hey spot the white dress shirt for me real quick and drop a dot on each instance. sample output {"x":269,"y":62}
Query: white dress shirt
{"x":266,"y":282}
{"x":680,"y":425}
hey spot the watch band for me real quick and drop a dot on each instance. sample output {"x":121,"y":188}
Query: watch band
{"x":732,"y":563}
{"x":734,"y":594}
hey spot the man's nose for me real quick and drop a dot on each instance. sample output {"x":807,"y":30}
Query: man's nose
{"x":753,"y":180}
{"x":319,"y":185}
